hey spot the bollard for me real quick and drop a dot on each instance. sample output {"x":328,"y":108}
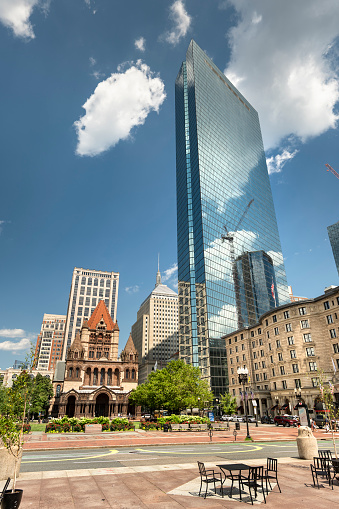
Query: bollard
{"x":210,"y":432}
{"x":235,"y":434}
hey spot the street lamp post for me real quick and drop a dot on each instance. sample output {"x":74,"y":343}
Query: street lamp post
{"x":217,"y":407}
{"x":243,"y":380}
{"x":199,"y":405}
{"x":300,"y":404}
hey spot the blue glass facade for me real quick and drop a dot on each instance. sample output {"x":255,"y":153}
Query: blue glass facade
{"x":333,"y":234}
{"x":224,"y":209}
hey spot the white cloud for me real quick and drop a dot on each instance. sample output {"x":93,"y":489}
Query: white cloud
{"x":140,"y":44}
{"x":12,"y":333}
{"x":281,"y":57}
{"x":182,"y":21}
{"x":92,"y":61}
{"x":15,"y":14}
{"x":132,"y":289}
{"x":98,"y":75}
{"x":23,"y":344}
{"x":118,"y":104}
{"x":172,"y":272}
{"x":276,"y":163}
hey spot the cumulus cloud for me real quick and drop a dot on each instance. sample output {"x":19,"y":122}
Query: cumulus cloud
{"x":182,"y":21}
{"x":15,"y":14}
{"x":140,"y":44}
{"x":132,"y":289}
{"x":276,"y":163}
{"x":11,"y":333}
{"x":282,"y":58}
{"x":118,"y":104}
{"x":170,"y":273}
{"x":12,"y":346}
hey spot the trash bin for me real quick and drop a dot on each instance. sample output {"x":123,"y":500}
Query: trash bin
{"x":166,"y":426}
{"x":237,"y":426}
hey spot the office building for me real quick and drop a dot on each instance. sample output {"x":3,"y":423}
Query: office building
{"x":333,"y":234}
{"x":285,"y":351}
{"x":49,"y":344}
{"x":224,"y":209}
{"x":87,"y":289}
{"x":155,"y":333}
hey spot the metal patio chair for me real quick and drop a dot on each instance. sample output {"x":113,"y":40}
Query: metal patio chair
{"x":254,"y":481}
{"x":271,"y":472}
{"x":209,"y":476}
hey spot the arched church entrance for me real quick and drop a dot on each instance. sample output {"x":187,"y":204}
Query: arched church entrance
{"x":70,"y":407}
{"x":101,"y":406}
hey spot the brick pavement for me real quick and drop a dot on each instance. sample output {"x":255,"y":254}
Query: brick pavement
{"x":164,"y":487}
{"x":53,"y":441}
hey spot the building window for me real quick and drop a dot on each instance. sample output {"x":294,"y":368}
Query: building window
{"x":280,"y":357}
{"x":302,"y":311}
{"x":259,"y":331}
{"x":313,"y":366}
{"x":293,"y":354}
{"x":275,"y":386}
{"x":284,"y":384}
{"x":244,"y":357}
{"x":273,"y":372}
{"x":336,"y":348}
{"x":254,"y":355}
{"x":278,"y":343}
{"x":268,"y":334}
{"x":257,"y":377}
{"x":290,"y":340}
{"x":297,"y":383}
{"x":91,"y":354}
{"x":255,"y":365}
{"x":272,"y":359}
{"x":265,"y":376}
{"x":307,"y":338}
{"x":329,"y":319}
{"x":253,"y":344}
{"x":274,"y":318}
{"x":282,"y":370}
{"x":333,"y":333}
{"x":295,"y":368}
{"x":310,"y":352}
{"x":243,"y":346}
{"x":315,"y":382}
{"x":263,"y":364}
{"x":252,"y":334}
{"x":266,"y":321}
{"x":286,"y":314}
{"x":288,"y":327}
{"x":304,"y":324}
{"x":269,"y":346}
{"x":276,"y":331}
{"x":262,"y":353}
{"x":261,"y":342}
{"x":326,"y":304}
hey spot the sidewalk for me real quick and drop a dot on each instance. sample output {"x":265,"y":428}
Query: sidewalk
{"x":165,"y":487}
{"x":52,"y":441}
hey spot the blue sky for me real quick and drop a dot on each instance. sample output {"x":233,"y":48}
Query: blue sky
{"x":88,"y":140}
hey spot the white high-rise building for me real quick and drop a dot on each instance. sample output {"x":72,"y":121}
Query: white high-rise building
{"x":49,"y":344}
{"x":87,"y":289}
{"x":155,"y":333}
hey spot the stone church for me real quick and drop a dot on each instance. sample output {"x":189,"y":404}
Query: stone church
{"x":93,"y":381}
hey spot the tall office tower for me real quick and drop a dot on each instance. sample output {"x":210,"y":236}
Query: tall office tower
{"x":49,"y":343}
{"x":87,"y":289}
{"x":333,"y":234}
{"x":155,"y":333}
{"x":255,"y":286}
{"x":224,"y":209}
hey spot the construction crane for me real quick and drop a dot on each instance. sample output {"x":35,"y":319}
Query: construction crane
{"x":229,"y":236}
{"x":329,"y":168}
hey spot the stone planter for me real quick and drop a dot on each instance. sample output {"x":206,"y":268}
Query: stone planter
{"x":307,"y":444}
{"x":7,"y":463}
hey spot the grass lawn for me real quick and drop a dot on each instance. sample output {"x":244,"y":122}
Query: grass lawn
{"x":37,"y":427}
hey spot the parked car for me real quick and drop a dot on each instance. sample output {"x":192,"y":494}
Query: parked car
{"x":285,"y":420}
{"x":250,"y":418}
{"x":267,"y":420}
{"x":320,"y":420}
{"x":237,"y":418}
{"x":226,"y":418}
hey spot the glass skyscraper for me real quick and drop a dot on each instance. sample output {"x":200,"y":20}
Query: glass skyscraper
{"x":333,"y":234}
{"x":224,"y":210}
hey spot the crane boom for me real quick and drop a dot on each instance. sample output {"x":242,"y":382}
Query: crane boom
{"x":329,"y":168}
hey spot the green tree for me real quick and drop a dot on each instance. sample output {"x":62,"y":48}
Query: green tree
{"x":327,"y":396}
{"x":4,"y":400}
{"x":41,"y":393}
{"x":228,"y":404}
{"x":176,"y":387}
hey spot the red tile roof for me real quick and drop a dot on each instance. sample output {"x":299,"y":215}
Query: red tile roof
{"x":100,"y":312}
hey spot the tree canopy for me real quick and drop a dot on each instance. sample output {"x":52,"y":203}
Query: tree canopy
{"x":176,"y":387}
{"x":228,"y":404}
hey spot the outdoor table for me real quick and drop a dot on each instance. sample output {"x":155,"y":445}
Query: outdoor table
{"x":232,"y":468}
{"x":335,"y":463}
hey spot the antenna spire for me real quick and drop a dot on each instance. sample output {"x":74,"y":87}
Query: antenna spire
{"x":158,"y":280}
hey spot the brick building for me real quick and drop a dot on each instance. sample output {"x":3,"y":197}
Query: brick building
{"x":93,"y":381}
{"x":288,"y":349}
{"x":49,"y":343}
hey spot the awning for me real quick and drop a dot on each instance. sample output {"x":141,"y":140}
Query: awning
{"x":274,"y":407}
{"x":286,"y":405}
{"x":240,"y":407}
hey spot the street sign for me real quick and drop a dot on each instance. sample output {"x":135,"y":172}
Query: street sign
{"x":303,"y":416}
{"x":254,"y":403}
{"x":211,"y":416}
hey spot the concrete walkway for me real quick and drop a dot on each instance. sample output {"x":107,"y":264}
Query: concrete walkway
{"x":165,"y":487}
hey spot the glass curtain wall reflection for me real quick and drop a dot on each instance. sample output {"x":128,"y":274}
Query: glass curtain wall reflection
{"x":224,"y":209}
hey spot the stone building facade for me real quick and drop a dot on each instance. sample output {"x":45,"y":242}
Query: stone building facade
{"x":93,"y":381}
{"x":287,"y":350}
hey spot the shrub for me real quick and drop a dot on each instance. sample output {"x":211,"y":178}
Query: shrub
{"x":150,"y":426}
{"x":26,"y":428}
{"x":105,"y":426}
{"x":182,"y":419}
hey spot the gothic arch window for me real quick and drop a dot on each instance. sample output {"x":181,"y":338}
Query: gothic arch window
{"x":76,"y":354}
{"x":102,"y":376}
{"x":58,"y":390}
{"x":130,"y":356}
{"x":95,"y":376}
{"x":70,"y":372}
{"x":109,"y":377}
{"x":77,"y":372}
{"x":133,"y":374}
{"x":127,"y":373}
{"x":117,"y":377}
